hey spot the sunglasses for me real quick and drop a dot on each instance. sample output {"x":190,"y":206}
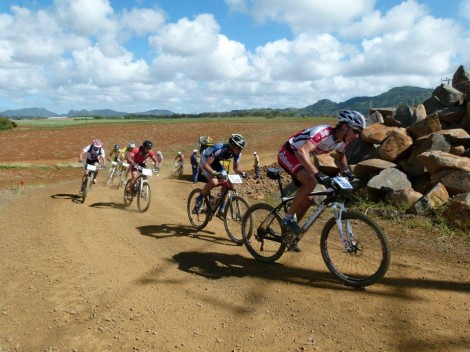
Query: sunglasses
{"x":357,"y":131}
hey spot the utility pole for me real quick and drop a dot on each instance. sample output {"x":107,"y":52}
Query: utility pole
{"x":446,"y":79}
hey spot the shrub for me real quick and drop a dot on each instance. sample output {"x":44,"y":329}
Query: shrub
{"x":6,"y":124}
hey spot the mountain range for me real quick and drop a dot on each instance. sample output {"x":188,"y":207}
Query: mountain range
{"x":390,"y":99}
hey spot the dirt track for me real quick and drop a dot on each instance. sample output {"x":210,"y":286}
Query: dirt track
{"x":99,"y":277}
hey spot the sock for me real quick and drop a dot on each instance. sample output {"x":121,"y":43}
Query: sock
{"x":199,"y":198}
{"x":222,"y":207}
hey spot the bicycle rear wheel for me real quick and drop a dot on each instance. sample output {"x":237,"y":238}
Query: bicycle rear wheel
{"x":235,"y":208}
{"x":368,"y":255}
{"x":127,"y":192}
{"x":143,"y":201}
{"x":198,"y":219}
{"x":262,"y":233}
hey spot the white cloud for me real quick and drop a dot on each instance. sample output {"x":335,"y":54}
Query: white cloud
{"x":143,"y":21}
{"x":464,"y":9}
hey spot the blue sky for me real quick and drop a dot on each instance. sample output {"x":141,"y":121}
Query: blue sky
{"x":192,"y":56}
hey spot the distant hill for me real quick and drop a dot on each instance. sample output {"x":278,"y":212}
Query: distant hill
{"x":392,"y":98}
{"x":28,"y":112}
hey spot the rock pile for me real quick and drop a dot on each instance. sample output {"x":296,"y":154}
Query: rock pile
{"x":417,"y":156}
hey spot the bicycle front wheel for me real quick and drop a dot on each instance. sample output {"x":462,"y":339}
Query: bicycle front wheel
{"x":128,"y":194}
{"x":143,"y":201}
{"x":235,"y":208}
{"x":199,"y":218}
{"x":111,"y":176}
{"x":262,"y":233}
{"x":365,"y":259}
{"x":89,"y":182}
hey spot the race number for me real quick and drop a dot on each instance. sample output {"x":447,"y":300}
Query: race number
{"x":146,"y":172}
{"x":90,"y":167}
{"x":342,"y":182}
{"x":235,"y":179}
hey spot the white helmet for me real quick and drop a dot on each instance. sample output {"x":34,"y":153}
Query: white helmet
{"x":131,"y":144}
{"x":352,"y":118}
{"x":159,"y":152}
{"x":254,"y":153}
{"x":179,"y":153}
{"x":194,"y":151}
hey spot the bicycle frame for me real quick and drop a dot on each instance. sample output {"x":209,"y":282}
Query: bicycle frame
{"x":331,"y":200}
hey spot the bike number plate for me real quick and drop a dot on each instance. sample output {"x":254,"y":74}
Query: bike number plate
{"x":147,"y":172}
{"x":235,"y":179}
{"x":125,"y":164}
{"x":342,"y":182}
{"x":90,"y":167}
{"x":113,"y":163}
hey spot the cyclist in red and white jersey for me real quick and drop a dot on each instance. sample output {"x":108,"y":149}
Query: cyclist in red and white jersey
{"x":138,"y":156}
{"x":295,"y":155}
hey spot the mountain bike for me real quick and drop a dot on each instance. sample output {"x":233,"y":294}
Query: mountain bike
{"x":141,"y":189}
{"x":177,"y":169}
{"x":86,"y":185}
{"x":118,"y":171}
{"x":235,"y":208}
{"x":354,"y":248}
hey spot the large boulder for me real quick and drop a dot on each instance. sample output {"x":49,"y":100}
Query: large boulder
{"x":376,"y":133}
{"x":424,"y":127}
{"x":395,"y":145}
{"x":435,"y":161}
{"x":432,"y":105}
{"x":433,"y":199}
{"x":387,"y":181}
{"x":460,"y":76}
{"x":404,"y":114}
{"x":448,"y":95}
{"x":455,"y":181}
{"x":458,"y":211}
{"x":369,"y":168}
{"x":406,"y":197}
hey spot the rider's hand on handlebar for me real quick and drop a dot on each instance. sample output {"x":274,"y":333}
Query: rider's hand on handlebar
{"x":323,"y":179}
{"x":219,"y":175}
{"x":349,"y":175}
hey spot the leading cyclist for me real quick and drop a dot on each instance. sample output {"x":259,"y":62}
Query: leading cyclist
{"x":94,"y":152}
{"x":294,"y":157}
{"x":213,"y":169}
{"x":138,"y":156}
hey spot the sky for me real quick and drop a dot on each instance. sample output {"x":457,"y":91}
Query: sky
{"x":194,"y":56}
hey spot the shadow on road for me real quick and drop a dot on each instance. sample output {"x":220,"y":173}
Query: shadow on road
{"x":73,"y":197}
{"x":113,"y":205}
{"x":219,"y":265}
{"x":169,"y":230}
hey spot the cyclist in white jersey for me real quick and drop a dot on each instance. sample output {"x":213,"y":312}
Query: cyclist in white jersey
{"x":295,"y":155}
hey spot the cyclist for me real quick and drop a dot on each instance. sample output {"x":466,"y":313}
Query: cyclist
{"x":138,"y":156}
{"x":179,"y":158}
{"x":159,"y":157}
{"x":212,"y":168}
{"x":117,"y":153}
{"x":127,"y":150}
{"x":294,"y":157}
{"x":94,"y":152}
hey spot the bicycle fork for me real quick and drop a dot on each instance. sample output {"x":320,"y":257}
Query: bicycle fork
{"x":348,"y":239}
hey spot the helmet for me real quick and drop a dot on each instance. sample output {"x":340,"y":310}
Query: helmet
{"x":194,"y":151}
{"x":96,"y":143}
{"x":131,"y":144}
{"x":237,"y":140}
{"x":159,"y":152}
{"x":116,"y":147}
{"x":147,"y":144}
{"x":254,"y":153}
{"x":352,"y":118}
{"x":179,"y":153}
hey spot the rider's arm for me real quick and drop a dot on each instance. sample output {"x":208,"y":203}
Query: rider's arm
{"x":130,"y":158}
{"x":81,"y":156}
{"x":236,"y":167}
{"x":207,"y":165}
{"x":303,"y":155}
{"x":342,"y":162}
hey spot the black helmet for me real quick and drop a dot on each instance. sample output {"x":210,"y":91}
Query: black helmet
{"x":147,"y":144}
{"x":116,"y":147}
{"x":237,"y":140}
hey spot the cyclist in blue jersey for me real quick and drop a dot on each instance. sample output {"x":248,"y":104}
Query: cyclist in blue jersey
{"x":212,"y":168}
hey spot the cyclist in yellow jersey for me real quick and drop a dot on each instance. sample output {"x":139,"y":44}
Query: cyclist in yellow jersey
{"x":117,"y":153}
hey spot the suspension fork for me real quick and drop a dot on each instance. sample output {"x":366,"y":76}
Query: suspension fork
{"x":347,"y":238}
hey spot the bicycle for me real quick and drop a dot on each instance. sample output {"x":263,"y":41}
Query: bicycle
{"x":356,"y":251}
{"x":141,"y":189}
{"x":177,"y":169}
{"x":235,"y":208}
{"x":117,"y":171}
{"x":86,"y":185}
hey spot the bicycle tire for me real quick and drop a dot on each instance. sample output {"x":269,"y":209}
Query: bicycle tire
{"x":122,"y":180}
{"x":143,"y":201}
{"x":201,"y":219}
{"x":127,"y":191}
{"x":262,"y":233}
{"x":370,"y":259}
{"x":235,"y":209}
{"x":89,"y":182}
{"x":111,"y":176}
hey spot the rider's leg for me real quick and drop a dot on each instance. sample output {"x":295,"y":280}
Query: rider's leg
{"x":97,"y":164}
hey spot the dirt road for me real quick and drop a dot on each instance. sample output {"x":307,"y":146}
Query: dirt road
{"x":101,"y":277}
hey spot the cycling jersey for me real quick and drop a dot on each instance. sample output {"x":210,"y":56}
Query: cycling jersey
{"x":139,"y":157}
{"x":118,"y":154}
{"x":324,"y":139}
{"x":92,"y":154}
{"x":218,"y":152}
